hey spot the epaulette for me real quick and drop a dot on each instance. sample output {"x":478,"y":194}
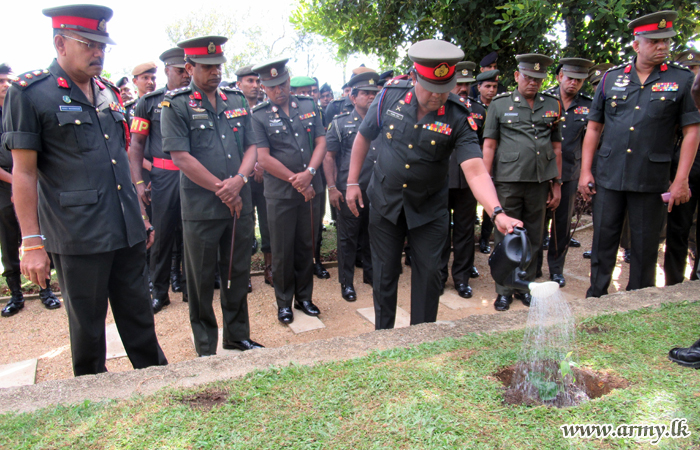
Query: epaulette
{"x":619,"y":66}
{"x":131,"y":102}
{"x":231,"y":89}
{"x":473,"y":100}
{"x":586,"y":96}
{"x":399,"y":84}
{"x":342,"y":100}
{"x":549,"y":94}
{"x":107,"y":82}
{"x":303,"y":97}
{"x":678,"y":66}
{"x":264,"y":104}
{"x":178,"y":91}
{"x":342,"y":114}
{"x":461,"y":101}
{"x":29,"y":78}
{"x":154,"y":93}
{"x":503,"y":95}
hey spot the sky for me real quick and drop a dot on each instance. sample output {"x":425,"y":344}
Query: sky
{"x":138,"y":28}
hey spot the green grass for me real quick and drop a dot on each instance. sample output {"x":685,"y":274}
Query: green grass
{"x":439,"y":395}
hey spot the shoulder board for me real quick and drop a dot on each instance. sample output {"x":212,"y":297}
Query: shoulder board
{"x":677,"y":66}
{"x":131,"y":102}
{"x":304,"y":97}
{"x":155,"y":93}
{"x":107,"y":82}
{"x":503,"y":95}
{"x":473,"y":100}
{"x":405,"y":84}
{"x":342,"y":114}
{"x":458,"y":100}
{"x":340,"y":100}
{"x":586,"y":96}
{"x":552,"y":91}
{"x":549,"y":94}
{"x":231,"y":89}
{"x":28,"y":78}
{"x":178,"y":91}
{"x":621,"y":66}
{"x":264,"y":104}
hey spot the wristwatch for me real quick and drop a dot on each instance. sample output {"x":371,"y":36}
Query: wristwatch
{"x":312,"y":171}
{"x":558,"y":181}
{"x":496,"y":211}
{"x":245,"y":178}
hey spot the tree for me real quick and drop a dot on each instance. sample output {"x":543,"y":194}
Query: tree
{"x":592,"y":29}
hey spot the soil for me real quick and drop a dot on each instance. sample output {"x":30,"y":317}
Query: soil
{"x":206,"y":400}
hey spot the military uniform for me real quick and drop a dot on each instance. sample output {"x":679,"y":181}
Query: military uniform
{"x":339,"y":106}
{"x":10,"y":235}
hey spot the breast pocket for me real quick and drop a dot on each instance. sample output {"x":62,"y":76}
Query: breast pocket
{"x":278,"y":136}
{"x":661,"y":103}
{"x":436,"y":146}
{"x":613,"y":106}
{"x":509,"y":121}
{"x":202,"y":134}
{"x":77,"y":129}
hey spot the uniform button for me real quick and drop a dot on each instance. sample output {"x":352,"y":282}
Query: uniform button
{"x":77,"y":122}
{"x":564,"y":126}
{"x":304,"y":166}
{"x":391,"y":127}
{"x":302,"y":149}
{"x":296,"y":134}
{"x":533,"y":125}
{"x":631,"y":128}
{"x":119,"y":187}
{"x":405,"y":186}
{"x":636,"y":107}
{"x":432,"y":142}
{"x":114,"y":161}
{"x":106,"y":136}
{"x":410,"y":145}
{"x":662,"y":98}
{"x":408,"y":166}
{"x":97,"y":109}
{"x":415,"y":126}
{"x":629,"y":150}
{"x":535,"y":137}
{"x":223,"y":136}
{"x":538,"y":153}
{"x":276,"y":131}
{"x":510,"y":121}
{"x":642,"y":87}
{"x":229,"y":156}
{"x":202,"y":127}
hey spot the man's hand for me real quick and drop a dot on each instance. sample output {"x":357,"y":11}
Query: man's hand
{"x":585,"y":182}
{"x":229,"y":189}
{"x":680,"y":192}
{"x":301,"y":180}
{"x":506,"y":224}
{"x":308,"y":193}
{"x":143,"y":195}
{"x":554,"y":196}
{"x":258,"y":173}
{"x":36,"y":267}
{"x":353,"y":196}
{"x":235,"y":206}
{"x":147,"y":164}
{"x":335,"y":197}
{"x":150,"y":237}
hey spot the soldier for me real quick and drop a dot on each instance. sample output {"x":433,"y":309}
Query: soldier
{"x":461,"y":201}
{"x":339,"y":138}
{"x":207,"y":131}
{"x":124,"y":89}
{"x":325,"y":98}
{"x":66,"y":129}
{"x":302,"y":86}
{"x":291,"y":146}
{"x":249,"y":83}
{"x":165,"y":176}
{"x":522,"y":150}
{"x":634,"y":161}
{"x":344,"y":104}
{"x":487,"y":64}
{"x":571,"y":74}
{"x":420,"y":125}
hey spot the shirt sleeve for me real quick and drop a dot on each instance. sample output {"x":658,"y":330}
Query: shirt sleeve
{"x":690,"y":114}
{"x":597,"y":110}
{"x":370,"y":127}
{"x":320,"y":130}
{"x":332,"y":139}
{"x":174,"y":128}
{"x":140,"y":123}
{"x":21,"y":122}
{"x":491,"y":129}
{"x":467,"y":141}
{"x":249,"y":138}
{"x":260,"y":133}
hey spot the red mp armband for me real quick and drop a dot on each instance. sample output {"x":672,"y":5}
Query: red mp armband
{"x":140,"y":126}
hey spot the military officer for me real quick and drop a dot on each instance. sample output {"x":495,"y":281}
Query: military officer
{"x":344,"y":104}
{"x":461,"y":202}
{"x":691,"y":59}
{"x":66,"y":129}
{"x":291,"y":145}
{"x":487,"y":64}
{"x":207,"y":131}
{"x":165,"y":175}
{"x":522,"y":150}
{"x":571,"y":74}
{"x":302,"y":85}
{"x":420,"y":123}
{"x":339,"y":139}
{"x":640,"y":104}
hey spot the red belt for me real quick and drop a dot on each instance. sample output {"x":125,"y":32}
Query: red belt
{"x":166,"y":164}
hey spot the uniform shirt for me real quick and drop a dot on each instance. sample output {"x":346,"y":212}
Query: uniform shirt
{"x":5,"y":156}
{"x":573,"y":127}
{"x":87,"y":203}
{"x":640,"y":124}
{"x":130,"y":107}
{"x":340,"y":106}
{"x":216,"y":136}
{"x":290,"y":140}
{"x":413,"y":156}
{"x":146,"y":121}
{"x":478,"y":115}
{"x":339,"y":139}
{"x":525,"y":136}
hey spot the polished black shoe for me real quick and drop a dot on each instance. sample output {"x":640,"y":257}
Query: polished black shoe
{"x":473,"y":272}
{"x":176,"y":281}
{"x":558,"y":278}
{"x":464,"y":290}
{"x":524,"y":297}
{"x":628,"y":255}
{"x":687,"y":357}
{"x":348,"y":293}
{"x":250,"y":285}
{"x":321,"y":271}
{"x":244,"y":345}
{"x":503,"y":302}
{"x":158,"y":304}
{"x":545,"y":243}
{"x":574,"y":243}
{"x":307,"y":307}
{"x":484,"y":246}
{"x":587,"y":254}
{"x":285,"y":315}
{"x":12,"y":308}
{"x":49,"y":299}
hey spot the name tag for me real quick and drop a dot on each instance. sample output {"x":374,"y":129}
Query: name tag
{"x":350,"y":126}
{"x":200,"y":116}
{"x":618,"y":88}
{"x":395,"y":114}
{"x":70,"y":108}
{"x":277,"y":123}
{"x":511,"y":114}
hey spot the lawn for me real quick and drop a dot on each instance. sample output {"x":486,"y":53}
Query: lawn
{"x":439,"y":395}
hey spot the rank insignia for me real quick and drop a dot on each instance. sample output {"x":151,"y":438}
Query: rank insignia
{"x":28,"y":76}
{"x":100,"y":84}
{"x":223,"y":96}
{"x":388,"y":135}
{"x":551,"y":114}
{"x":443,"y":128}
{"x":580,"y":110}
{"x":613,"y":104}
{"x":628,"y":69}
{"x":232,"y":113}
{"x":165,"y":103}
{"x":38,"y":72}
{"x":294,"y":105}
{"x":472,"y":124}
{"x":22,"y":83}
{"x":307,"y":116}
{"x":117,"y":107}
{"x":408,"y":98}
{"x":274,"y":109}
{"x":66,"y":99}
{"x":664,"y":87}
{"x":663,"y":67}
{"x":192,"y":103}
{"x":441,"y":111}
{"x":62,"y":82}
{"x":197,"y":95}
{"x":510,"y":108}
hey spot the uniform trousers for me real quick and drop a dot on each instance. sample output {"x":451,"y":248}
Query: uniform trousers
{"x":462,"y":205}
{"x":486,"y":227}
{"x":167,"y":221}
{"x":646,"y":216}
{"x":680,"y":222}
{"x":291,"y":241}
{"x":351,"y":232}
{"x":526,"y":201}
{"x":560,"y":229}
{"x":208,"y":244}
{"x":10,"y":234}
{"x":87,"y":283}
{"x":260,"y":207}
{"x":387,"y":241}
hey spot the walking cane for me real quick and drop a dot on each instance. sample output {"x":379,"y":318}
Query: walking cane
{"x":230,"y":258}
{"x":313,"y":240}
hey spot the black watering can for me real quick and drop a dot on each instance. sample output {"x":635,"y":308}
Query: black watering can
{"x":510,"y":259}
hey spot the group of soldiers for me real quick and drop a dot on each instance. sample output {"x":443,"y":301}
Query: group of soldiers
{"x":174,"y":176}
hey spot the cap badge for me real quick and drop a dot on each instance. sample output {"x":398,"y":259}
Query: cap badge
{"x":102,"y":26}
{"x":371,"y":81}
{"x":690,"y":56}
{"x":211,"y":48}
{"x":662,"y":24}
{"x":597,"y":72}
{"x":441,"y":70}
{"x":465,"y":72}
{"x":536,"y":66}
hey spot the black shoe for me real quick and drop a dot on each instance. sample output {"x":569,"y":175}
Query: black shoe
{"x":348,"y":293}
{"x":49,"y":299}
{"x":285,"y":315}
{"x":559,"y":278}
{"x":244,"y":345}
{"x":250,"y":285}
{"x":545,"y":243}
{"x":254,"y":250}
{"x":503,"y":302}
{"x":12,"y":308}
{"x":587,"y":254}
{"x":687,"y":357}
{"x":484,"y":246}
{"x":176,"y":281}
{"x":321,"y":271}
{"x":307,"y":307}
{"x":158,"y":304}
{"x":473,"y":272}
{"x":407,"y":260}
{"x":628,"y":255}
{"x":574,"y":243}
{"x":524,"y":297}
{"x":464,"y":290}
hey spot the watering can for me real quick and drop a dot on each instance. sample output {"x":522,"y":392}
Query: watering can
{"x":510,"y":259}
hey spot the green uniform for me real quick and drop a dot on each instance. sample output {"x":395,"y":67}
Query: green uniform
{"x":524,"y":162}
{"x":217,"y":136}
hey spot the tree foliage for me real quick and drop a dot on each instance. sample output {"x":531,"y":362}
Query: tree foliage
{"x":594,"y":29}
